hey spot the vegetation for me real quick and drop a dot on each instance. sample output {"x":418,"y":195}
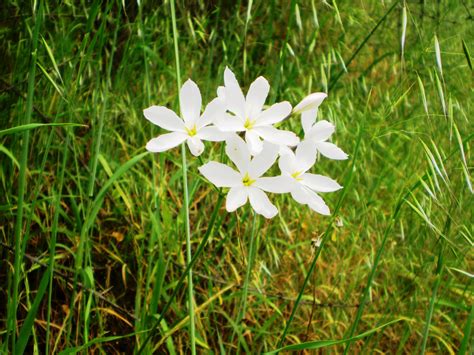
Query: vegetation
{"x":92,"y":227}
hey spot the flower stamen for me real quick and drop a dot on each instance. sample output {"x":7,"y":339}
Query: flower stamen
{"x":249,"y":123}
{"x":247,"y":180}
{"x":296,"y":175}
{"x":191,"y":131}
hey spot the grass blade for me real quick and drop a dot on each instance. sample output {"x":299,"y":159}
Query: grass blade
{"x":13,"y":304}
{"x":30,"y":318}
{"x":30,"y":126}
{"x":186,"y":195}
{"x":319,"y":344}
{"x":467,"y":340}
{"x":467,"y":54}
{"x":361,"y":45}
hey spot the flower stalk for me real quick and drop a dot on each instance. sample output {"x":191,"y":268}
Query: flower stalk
{"x":186,"y":197}
{"x":248,"y":273}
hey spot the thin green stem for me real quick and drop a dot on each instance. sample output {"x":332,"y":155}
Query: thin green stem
{"x":54,"y":234}
{"x":98,"y":137}
{"x":426,"y":330}
{"x":12,"y":309}
{"x":192,"y":335}
{"x":248,"y":273}
{"x":361,"y":45}
{"x":251,"y":259}
{"x":177,"y":288}
{"x":347,"y":185}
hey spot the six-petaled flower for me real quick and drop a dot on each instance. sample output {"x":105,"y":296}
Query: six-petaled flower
{"x":192,"y":127}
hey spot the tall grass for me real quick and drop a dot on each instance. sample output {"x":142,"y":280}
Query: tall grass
{"x":99,"y":238}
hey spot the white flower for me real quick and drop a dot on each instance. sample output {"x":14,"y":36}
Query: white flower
{"x":192,"y":127}
{"x":249,"y":116}
{"x":308,"y":107}
{"x":305,"y":185}
{"x":247,"y":183}
{"x":318,"y":132}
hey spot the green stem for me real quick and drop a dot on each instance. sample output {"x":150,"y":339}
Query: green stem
{"x":248,"y":273}
{"x":185,"y":273}
{"x":347,"y":184}
{"x":52,"y":247}
{"x":243,"y":305}
{"x":12,"y":309}
{"x":186,"y":196}
{"x":426,"y":330}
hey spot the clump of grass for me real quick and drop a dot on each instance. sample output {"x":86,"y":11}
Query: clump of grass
{"x":94,"y":256}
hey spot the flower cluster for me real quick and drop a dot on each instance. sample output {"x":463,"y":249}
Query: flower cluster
{"x":233,"y":115}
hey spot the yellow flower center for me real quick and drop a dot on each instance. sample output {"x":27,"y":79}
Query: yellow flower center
{"x":249,"y":123}
{"x":296,"y":175}
{"x":247,"y":181}
{"x":191,"y":131}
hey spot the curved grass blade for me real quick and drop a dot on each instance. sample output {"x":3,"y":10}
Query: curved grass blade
{"x":27,"y":326}
{"x":30,"y":126}
{"x":97,"y":203}
{"x":349,"y":61}
{"x":324,"y":238}
{"x":467,"y":54}
{"x":95,"y":341}
{"x":318,"y":344}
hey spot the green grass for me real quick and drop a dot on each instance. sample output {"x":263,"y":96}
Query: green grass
{"x":95,"y":253}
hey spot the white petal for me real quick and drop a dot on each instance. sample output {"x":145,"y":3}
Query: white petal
{"x":229,"y":77}
{"x":317,"y":204}
{"x":331,"y":151}
{"x":238,"y":151}
{"x":307,"y":120}
{"x":213,"y":109}
{"x":190,"y":102}
{"x":321,"y":131}
{"x":234,"y":97}
{"x":306,"y":153}
{"x":300,"y":194}
{"x":164,"y":117}
{"x":212,"y":133}
{"x":287,"y":163}
{"x":195,"y":145}
{"x":229,"y":123}
{"x":254,"y":142}
{"x":320,"y":183}
{"x":263,"y":161}
{"x":260,"y":203}
{"x":277,"y":136}
{"x":165,"y":142}
{"x":221,"y":175}
{"x":221,"y":93}
{"x":236,"y":198}
{"x":256,"y":97}
{"x":276,"y":113}
{"x":276,"y":184}
{"x":310,"y":102}
{"x":284,"y":149}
